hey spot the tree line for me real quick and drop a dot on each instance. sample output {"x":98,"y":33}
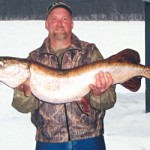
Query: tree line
{"x":82,"y":9}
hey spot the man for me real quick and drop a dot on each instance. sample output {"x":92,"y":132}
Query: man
{"x":75,"y":125}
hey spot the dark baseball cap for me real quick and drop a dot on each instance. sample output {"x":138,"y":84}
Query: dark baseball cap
{"x":59,"y":4}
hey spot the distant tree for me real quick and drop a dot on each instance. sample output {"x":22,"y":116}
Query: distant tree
{"x":82,"y":9}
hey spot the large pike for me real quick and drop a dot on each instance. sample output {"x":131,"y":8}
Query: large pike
{"x":62,"y":86}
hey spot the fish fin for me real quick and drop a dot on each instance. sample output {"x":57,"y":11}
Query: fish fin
{"x":84,"y":105}
{"x":131,"y":56}
{"x":133,"y":84}
{"x":126,"y":55}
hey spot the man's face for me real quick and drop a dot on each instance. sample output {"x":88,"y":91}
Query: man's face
{"x":59,"y":24}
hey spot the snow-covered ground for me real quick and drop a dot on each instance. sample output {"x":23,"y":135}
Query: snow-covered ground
{"x":127,"y":126}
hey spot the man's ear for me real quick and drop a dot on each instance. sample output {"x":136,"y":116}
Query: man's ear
{"x":46,"y":25}
{"x":72,"y":25}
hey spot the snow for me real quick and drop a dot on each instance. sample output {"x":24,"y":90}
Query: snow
{"x":127,"y":126}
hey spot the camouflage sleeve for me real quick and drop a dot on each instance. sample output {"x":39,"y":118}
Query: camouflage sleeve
{"x":23,"y":103}
{"x":106,"y":100}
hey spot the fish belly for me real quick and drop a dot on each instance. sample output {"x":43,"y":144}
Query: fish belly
{"x":53,"y":89}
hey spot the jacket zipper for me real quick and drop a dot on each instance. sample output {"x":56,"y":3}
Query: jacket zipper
{"x":65,"y":107}
{"x":67,"y":123}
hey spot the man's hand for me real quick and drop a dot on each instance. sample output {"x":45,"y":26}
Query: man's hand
{"x":103,"y":82}
{"x":25,"y":87}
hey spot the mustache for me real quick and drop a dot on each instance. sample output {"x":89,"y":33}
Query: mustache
{"x":58,"y":28}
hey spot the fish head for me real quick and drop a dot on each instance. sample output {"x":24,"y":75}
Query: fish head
{"x":7,"y":68}
{"x":13,"y":72}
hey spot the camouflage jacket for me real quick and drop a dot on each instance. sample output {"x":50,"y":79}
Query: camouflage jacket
{"x":65,"y":122}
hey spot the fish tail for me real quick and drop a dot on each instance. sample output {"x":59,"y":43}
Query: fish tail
{"x":131,"y":56}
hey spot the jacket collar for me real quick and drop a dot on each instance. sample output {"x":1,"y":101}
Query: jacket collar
{"x":75,"y":44}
